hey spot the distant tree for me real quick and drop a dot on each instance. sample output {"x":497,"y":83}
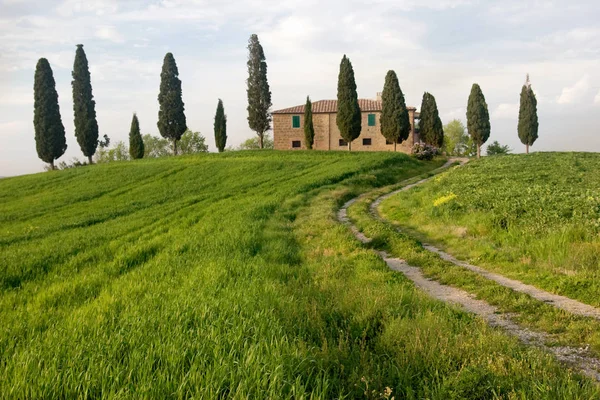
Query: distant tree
{"x":50,"y":141}
{"x":394,"y":121}
{"x":348,"y":114}
{"x":136,"y":143}
{"x":478,"y":118}
{"x":528,"y":119}
{"x":220,"y":127}
{"x":456,"y":140}
{"x":84,"y":106}
{"x":430,"y":125}
{"x":155,"y":146}
{"x":171,"y":117}
{"x":192,"y":143}
{"x":119,"y":152}
{"x":253,"y":143}
{"x":309,"y":129}
{"x":259,"y":94}
{"x":496,"y":149}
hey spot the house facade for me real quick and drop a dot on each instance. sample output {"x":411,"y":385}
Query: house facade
{"x":288,"y":128}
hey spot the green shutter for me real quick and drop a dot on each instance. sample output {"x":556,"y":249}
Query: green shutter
{"x":371,"y":119}
{"x":296,"y":121}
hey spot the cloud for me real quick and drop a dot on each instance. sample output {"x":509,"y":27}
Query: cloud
{"x":506,"y":111}
{"x":573,"y":94}
{"x":109,"y":32}
{"x":597,"y":98}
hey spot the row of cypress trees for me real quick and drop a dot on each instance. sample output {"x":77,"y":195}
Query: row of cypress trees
{"x":50,"y":132}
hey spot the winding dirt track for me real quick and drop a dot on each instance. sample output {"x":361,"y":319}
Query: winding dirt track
{"x":577,"y":357}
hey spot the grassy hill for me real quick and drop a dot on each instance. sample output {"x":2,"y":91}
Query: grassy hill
{"x":535,"y":218}
{"x":228,"y":276}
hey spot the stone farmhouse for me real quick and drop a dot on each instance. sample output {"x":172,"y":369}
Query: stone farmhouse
{"x":288,"y":128}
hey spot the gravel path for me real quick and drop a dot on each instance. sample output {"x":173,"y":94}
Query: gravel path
{"x":577,"y":357}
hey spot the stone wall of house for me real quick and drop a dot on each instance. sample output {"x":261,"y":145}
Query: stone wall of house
{"x":327,"y":134}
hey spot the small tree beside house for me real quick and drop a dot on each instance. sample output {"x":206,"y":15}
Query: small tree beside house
{"x":309,"y":129}
{"x":348,"y":117}
{"x":430,"y":125}
{"x":394,"y":120}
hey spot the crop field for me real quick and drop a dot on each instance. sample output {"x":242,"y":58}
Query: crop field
{"x":533,"y":218}
{"x":228,"y":276}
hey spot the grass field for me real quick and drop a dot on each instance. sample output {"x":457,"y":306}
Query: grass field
{"x":533,"y":218}
{"x":228,"y":276}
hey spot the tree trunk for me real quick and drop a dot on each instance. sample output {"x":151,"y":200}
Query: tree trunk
{"x":261,"y":142}
{"x":174,"y":147}
{"x":394,"y":147}
{"x":90,"y":160}
{"x":52,"y":166}
{"x":349,"y":146}
{"x":478,"y":150}
{"x":526,"y":149}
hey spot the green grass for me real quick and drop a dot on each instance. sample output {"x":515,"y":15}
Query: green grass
{"x":533,"y":218}
{"x":228,"y":276}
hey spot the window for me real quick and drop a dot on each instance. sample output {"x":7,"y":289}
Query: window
{"x":371,"y":119}
{"x":366,"y":141}
{"x":343,"y":142}
{"x":296,"y":121}
{"x":296,"y":144}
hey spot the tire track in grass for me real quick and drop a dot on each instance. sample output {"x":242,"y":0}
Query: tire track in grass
{"x":577,"y":357}
{"x":555,"y":300}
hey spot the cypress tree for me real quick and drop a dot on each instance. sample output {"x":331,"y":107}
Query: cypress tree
{"x":478,"y":118}
{"x":220,"y":127}
{"x":394,"y":121}
{"x":171,"y":117}
{"x":84,"y":106}
{"x":528,"y":120}
{"x":136,"y":143}
{"x":309,"y":129}
{"x":432,"y":130}
{"x":259,"y":94}
{"x":50,"y":141}
{"x":348,"y":113}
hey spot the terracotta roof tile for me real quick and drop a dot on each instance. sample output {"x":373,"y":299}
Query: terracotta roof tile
{"x":330,"y":106}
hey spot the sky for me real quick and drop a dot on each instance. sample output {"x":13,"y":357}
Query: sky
{"x":438,"y":46}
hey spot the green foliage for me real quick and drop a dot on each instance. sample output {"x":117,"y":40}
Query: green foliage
{"x":430,"y":124}
{"x":50,"y":141}
{"x":309,"y":129}
{"x":254,"y":143}
{"x":348,"y":117}
{"x":84,"y":106}
{"x":171,"y":116}
{"x":259,"y":94}
{"x":188,"y":268}
{"x":496,"y":148}
{"x":118,"y":152}
{"x":478,"y":118}
{"x":456,"y":140}
{"x":394,"y":121}
{"x":155,"y":147}
{"x":220,"y":127}
{"x":528,"y":120}
{"x":192,"y":143}
{"x":136,"y":143}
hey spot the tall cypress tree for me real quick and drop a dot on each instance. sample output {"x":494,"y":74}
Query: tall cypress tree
{"x":478,"y":118}
{"x":348,"y":113}
{"x":309,"y":129}
{"x":171,"y":117}
{"x":84,"y":106}
{"x":50,"y":141}
{"x":432,"y":130}
{"x":394,"y":121}
{"x":220,"y":127}
{"x":136,"y":143}
{"x":528,"y":119}
{"x":259,"y":94}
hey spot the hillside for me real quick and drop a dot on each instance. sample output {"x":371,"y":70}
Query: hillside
{"x":227,"y":275}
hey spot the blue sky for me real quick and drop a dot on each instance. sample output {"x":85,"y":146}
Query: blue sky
{"x":441,"y":46}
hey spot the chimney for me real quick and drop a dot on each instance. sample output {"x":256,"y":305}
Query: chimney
{"x":378,"y":96}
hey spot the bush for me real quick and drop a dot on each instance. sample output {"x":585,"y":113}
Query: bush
{"x":422,"y":151}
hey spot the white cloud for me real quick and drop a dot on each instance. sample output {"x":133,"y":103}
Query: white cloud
{"x":506,"y":111}
{"x":572,"y":94}
{"x":69,"y":8}
{"x":109,"y":32}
